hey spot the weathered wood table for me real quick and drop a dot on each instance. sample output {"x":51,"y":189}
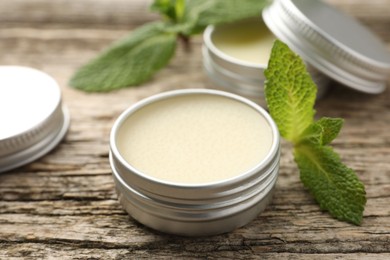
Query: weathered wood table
{"x":64,"y":205}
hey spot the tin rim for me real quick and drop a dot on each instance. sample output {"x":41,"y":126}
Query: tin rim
{"x":165,"y":95}
{"x":244,"y":83}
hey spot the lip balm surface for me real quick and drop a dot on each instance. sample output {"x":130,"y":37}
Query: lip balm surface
{"x":249,"y":41}
{"x":194,"y":139}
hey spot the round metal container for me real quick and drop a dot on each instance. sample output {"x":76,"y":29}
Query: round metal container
{"x":239,"y":76}
{"x":33,"y":119}
{"x":332,"y":42}
{"x":334,"y":45}
{"x":195,"y":209}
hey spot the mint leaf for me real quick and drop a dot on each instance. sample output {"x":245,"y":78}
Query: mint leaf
{"x":128,"y":62}
{"x":290,"y":92}
{"x":136,"y":58}
{"x":165,"y":7}
{"x":201,"y":13}
{"x":334,"y":186}
{"x":313,"y":135}
{"x":323,"y":131}
{"x":290,"y":95}
{"x":180,"y":7}
{"x":330,"y":128}
{"x":172,"y":9}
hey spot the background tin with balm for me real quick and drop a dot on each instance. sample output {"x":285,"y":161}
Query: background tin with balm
{"x":194,"y":162}
{"x":334,"y":46}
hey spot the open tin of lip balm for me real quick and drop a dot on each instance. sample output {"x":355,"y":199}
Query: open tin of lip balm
{"x":236,"y":55}
{"x":194,"y":162}
{"x":333,"y":45}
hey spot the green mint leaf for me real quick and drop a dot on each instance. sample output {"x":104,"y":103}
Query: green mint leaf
{"x":136,"y":58}
{"x":128,"y":62}
{"x":330,"y":128}
{"x":290,"y":92}
{"x":290,"y":95}
{"x":180,"y":7}
{"x":313,"y":135}
{"x":165,"y":7}
{"x":172,"y":9}
{"x":323,"y":131}
{"x":200,"y":14}
{"x":335,"y":187}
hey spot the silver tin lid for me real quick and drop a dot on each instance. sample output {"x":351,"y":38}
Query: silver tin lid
{"x":33,"y":119}
{"x":331,"y":41}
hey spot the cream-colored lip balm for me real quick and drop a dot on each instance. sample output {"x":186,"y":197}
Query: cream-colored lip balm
{"x":194,"y":139}
{"x":194,"y":162}
{"x":249,"y":41}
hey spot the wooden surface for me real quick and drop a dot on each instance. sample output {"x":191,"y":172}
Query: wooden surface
{"x":63,"y":206}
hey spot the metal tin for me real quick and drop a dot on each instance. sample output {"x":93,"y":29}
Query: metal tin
{"x":189,"y":209}
{"x":332,"y":42}
{"x":33,"y":119}
{"x":242,"y":77}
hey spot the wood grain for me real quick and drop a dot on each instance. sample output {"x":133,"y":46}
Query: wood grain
{"x":63,"y":206}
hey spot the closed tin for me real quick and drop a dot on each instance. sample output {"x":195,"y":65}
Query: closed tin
{"x":33,"y":118}
{"x":194,"y":209}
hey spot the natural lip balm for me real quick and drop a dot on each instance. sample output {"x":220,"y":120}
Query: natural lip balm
{"x":248,"y":41}
{"x":194,"y":162}
{"x":194,"y":139}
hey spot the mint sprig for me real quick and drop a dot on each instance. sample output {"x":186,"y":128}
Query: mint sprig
{"x":136,"y":58}
{"x":290,"y":94}
{"x":128,"y":62}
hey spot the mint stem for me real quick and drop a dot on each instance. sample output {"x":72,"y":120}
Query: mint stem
{"x":186,"y":42}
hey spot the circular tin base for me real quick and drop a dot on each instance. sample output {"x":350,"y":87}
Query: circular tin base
{"x":192,"y":220}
